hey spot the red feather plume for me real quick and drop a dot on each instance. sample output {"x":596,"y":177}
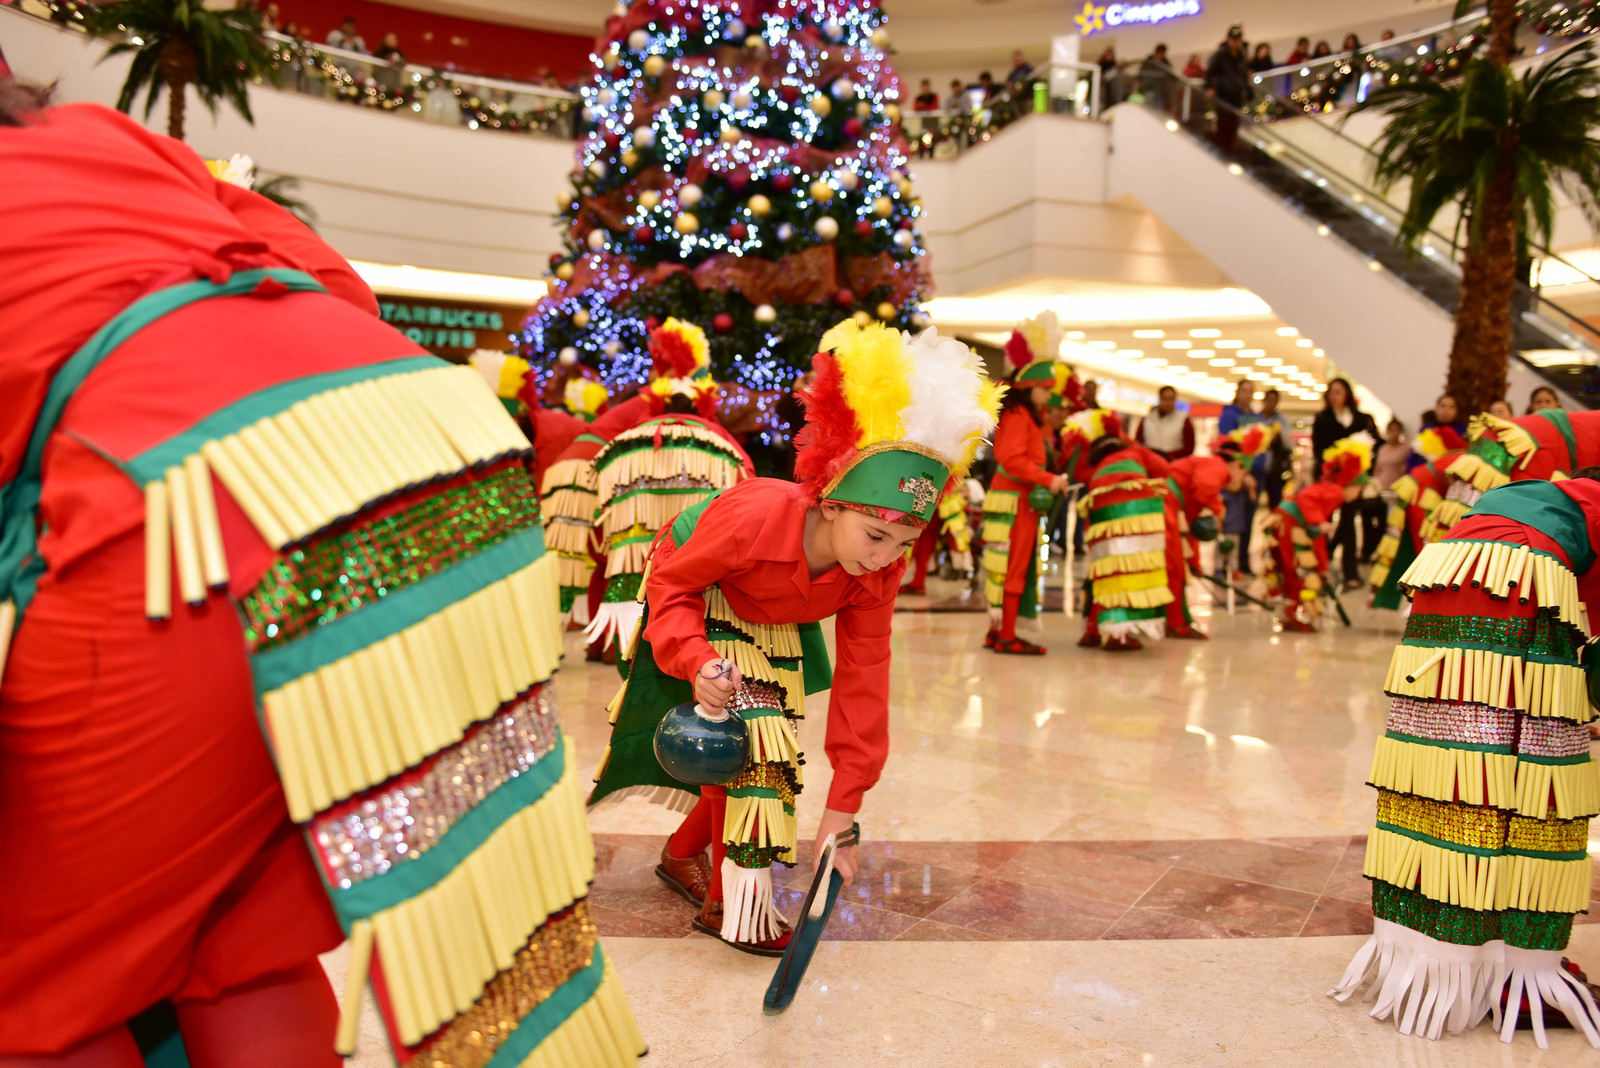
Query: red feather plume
{"x":671,"y":354}
{"x":1017,"y":351}
{"x":828,"y":440}
{"x":1343,"y":469}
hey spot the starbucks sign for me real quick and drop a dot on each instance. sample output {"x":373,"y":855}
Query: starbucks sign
{"x":451,"y":327}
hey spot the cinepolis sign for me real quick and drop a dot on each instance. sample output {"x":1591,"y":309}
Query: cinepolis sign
{"x":1096,"y":18}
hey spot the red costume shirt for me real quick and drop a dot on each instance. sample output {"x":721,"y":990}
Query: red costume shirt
{"x":553,"y":431}
{"x":1200,"y":479}
{"x":1019,"y":450}
{"x":750,"y":544}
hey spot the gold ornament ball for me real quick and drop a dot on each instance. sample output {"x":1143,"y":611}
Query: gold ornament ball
{"x":821,"y":191}
{"x":904,"y":185}
{"x":880,"y":38}
{"x":629,"y":158}
{"x":649,"y":199}
{"x":686,"y":223}
{"x":580,"y":318}
{"x":760,"y":205}
{"x":731,"y":135}
{"x":885,"y":311}
{"x":892,"y":112}
{"x":564,"y":272}
{"x":863,"y":109}
{"x":713,"y":99}
{"x":861,"y":318}
{"x":564,"y":199}
{"x":883,"y":207}
{"x":653,"y":66}
{"x":821,"y":105}
{"x":611,"y":57}
{"x":474,"y":103}
{"x":756,"y":43}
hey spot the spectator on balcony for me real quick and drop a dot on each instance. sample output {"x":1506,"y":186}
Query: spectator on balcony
{"x":1194,"y":68}
{"x":346,"y":37}
{"x":1228,"y":83}
{"x":271,"y":18}
{"x":958,"y":99}
{"x":1167,"y":430}
{"x":1321,"y":51}
{"x":292,"y":29}
{"x":1301,"y":53}
{"x":927,"y":99}
{"x":1021,"y":75}
{"x":1155,"y":78}
{"x":1352,"y":43}
{"x":393,"y":73}
{"x":1543,"y":397}
{"x":990,"y":88}
{"x":1262,"y":59}
{"x":1110,"y":79}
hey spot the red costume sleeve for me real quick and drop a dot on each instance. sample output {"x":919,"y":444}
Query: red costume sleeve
{"x":1318,"y":501}
{"x":1202,"y":479}
{"x":1014,"y":443}
{"x":1153,"y":461}
{"x":857,"y":740}
{"x":675,"y":589}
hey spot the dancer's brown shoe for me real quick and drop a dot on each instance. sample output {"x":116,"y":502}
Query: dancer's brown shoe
{"x":709,"y":921}
{"x":691,"y":878}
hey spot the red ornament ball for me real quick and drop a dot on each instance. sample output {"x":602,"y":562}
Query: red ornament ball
{"x":644,"y":235}
{"x":852,"y":128}
{"x":905,"y":222}
{"x":738,"y":179}
{"x":612,"y":141}
{"x":738,"y":231}
{"x":789,"y":93}
{"x":555,"y":259}
{"x":651,"y":322}
{"x":783,"y":181}
{"x":844,"y":298}
{"x":864,"y":227}
{"x":723,"y":322}
{"x":690,"y":133}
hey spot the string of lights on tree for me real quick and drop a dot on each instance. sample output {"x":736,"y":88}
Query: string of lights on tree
{"x":1328,"y":87}
{"x":743,"y":169}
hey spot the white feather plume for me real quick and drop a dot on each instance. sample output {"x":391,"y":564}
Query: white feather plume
{"x":946,"y":378}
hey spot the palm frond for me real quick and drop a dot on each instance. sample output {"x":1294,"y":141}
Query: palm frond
{"x":282,"y":190}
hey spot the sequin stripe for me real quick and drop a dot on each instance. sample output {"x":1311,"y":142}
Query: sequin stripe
{"x":1534,"y":635}
{"x":1469,"y":927}
{"x":600,"y":1032}
{"x":402,"y":819}
{"x":755,"y":665}
{"x":760,"y":810}
{"x":348,"y":566}
{"x":1461,"y":875}
{"x":1479,"y":676}
{"x":771,"y":732}
{"x":1454,"y":721}
{"x":1538,"y":737}
{"x":1135,"y":544}
{"x":442,"y":945}
{"x":623,"y":587}
{"x":1444,"y":823}
{"x":326,"y":457}
{"x":557,"y":951}
{"x":339,"y":724}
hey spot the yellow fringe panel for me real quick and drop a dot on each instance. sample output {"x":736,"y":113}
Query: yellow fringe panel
{"x":1152,"y":598}
{"x":569,"y":474}
{"x":1126,"y":583}
{"x":1501,"y":570}
{"x":1575,"y":789}
{"x":440,"y":948}
{"x":774,"y":639}
{"x":1482,"y":475}
{"x":1482,"y":883}
{"x":330,"y":455}
{"x":371,"y":715}
{"x":574,"y":570}
{"x":578,"y":506}
{"x":616,"y":467}
{"x":1483,"y":677}
{"x":760,"y":821}
{"x":996,"y":532}
{"x":1516,"y":439}
{"x":773,"y":740}
{"x":650,"y":511}
{"x":1128,"y":562}
{"x":1445,"y":774}
{"x":1133,"y":524}
{"x":1121,"y":487}
{"x":157,"y":553}
{"x":600,"y":1034}
{"x":1405,"y":488}
{"x":1001,"y":502}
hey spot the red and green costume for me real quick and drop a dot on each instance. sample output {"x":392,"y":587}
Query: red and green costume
{"x":1297,"y":550}
{"x":1196,"y":483}
{"x":1479,"y":859}
{"x":1129,"y":509}
{"x":1418,"y":492}
{"x":1547,"y":445}
{"x":1011,"y":524}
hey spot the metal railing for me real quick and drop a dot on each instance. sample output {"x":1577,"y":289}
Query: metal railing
{"x":1054,"y":88}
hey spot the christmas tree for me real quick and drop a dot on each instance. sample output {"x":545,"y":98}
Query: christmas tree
{"x":744,"y":170}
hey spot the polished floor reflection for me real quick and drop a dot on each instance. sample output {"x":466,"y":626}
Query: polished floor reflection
{"x":1080,"y":859}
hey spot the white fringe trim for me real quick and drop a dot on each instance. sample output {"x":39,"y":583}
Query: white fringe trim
{"x":579,"y":613}
{"x":1429,"y":986}
{"x":620,"y":618}
{"x":1154,"y":629}
{"x":668,"y":797}
{"x":747,"y":911}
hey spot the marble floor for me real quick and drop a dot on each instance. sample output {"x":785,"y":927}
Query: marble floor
{"x":1079,"y":859}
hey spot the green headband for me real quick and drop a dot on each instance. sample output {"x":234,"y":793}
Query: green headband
{"x":896,"y":475}
{"x":1037,"y":373}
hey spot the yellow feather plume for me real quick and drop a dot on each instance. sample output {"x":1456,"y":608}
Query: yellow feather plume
{"x":875,"y":370}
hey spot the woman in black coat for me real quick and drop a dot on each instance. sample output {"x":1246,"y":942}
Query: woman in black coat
{"x":1339,"y":419}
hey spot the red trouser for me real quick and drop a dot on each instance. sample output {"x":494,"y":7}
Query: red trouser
{"x":1177,"y":571}
{"x":922,"y":552}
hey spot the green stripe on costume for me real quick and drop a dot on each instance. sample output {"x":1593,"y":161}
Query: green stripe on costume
{"x":1148,"y":506}
{"x":1130,"y":615}
{"x":1292,"y":510}
{"x":1542,"y":506}
{"x":1122,"y":467}
{"x":1558,"y":418}
{"x":550,"y":1013}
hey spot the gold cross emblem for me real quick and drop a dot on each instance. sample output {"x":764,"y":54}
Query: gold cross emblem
{"x":1091,"y":19}
{"x":922,"y":492}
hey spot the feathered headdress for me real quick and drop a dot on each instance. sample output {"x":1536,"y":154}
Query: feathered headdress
{"x":1245,"y":442}
{"x":1092,"y":424}
{"x":505,"y":374}
{"x":1032,"y":349}
{"x":1068,"y":391}
{"x":681,"y":366}
{"x":584,"y":397}
{"x":1348,"y":459}
{"x":1435,"y":441}
{"x":892,"y":421}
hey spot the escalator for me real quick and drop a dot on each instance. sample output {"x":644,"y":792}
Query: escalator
{"x":1356,"y":227}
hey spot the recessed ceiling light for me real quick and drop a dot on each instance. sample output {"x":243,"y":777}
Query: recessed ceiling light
{"x":1268,"y":361}
{"x":1149,"y":333}
{"x":1252,"y":354}
{"x":1131,"y":354}
{"x":1256,"y":376}
{"x":1177,"y":344}
{"x":1222,"y":361}
{"x":1205,"y":333}
{"x":1304,"y":343}
{"x":1074,"y":335}
{"x":1102,"y":345}
{"x":1320,"y":387}
{"x":1228,"y":344}
{"x":1155,"y":361}
{"x":1200,"y":354}
{"x":1288,"y":331}
{"x":1318,"y":352}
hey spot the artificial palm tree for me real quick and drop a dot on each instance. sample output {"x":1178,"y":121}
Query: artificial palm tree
{"x":179,"y":43}
{"x":1497,"y":144}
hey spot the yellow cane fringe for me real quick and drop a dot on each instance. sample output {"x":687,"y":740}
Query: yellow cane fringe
{"x":1001,"y":502}
{"x":1483,"y":883}
{"x":1151,"y":598}
{"x":1132,"y":524}
{"x":574,"y":474}
{"x":1575,"y":789}
{"x":1480,"y":676}
{"x":157,"y":553}
{"x":774,"y":639}
{"x":1445,"y":774}
{"x":1516,"y":439}
{"x":1405,"y":488}
{"x":760,"y":821}
{"x":1482,"y":475}
{"x":772,"y":740}
{"x":359,"y":720}
{"x":441,"y":947}
{"x":1128,"y":562}
{"x":601,"y":1033}
{"x":617,"y":466}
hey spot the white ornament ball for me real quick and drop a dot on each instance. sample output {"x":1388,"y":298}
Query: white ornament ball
{"x":596,"y":240}
{"x":785,"y":231}
{"x":847,"y":180}
{"x":639,"y":40}
{"x":686,"y":223}
{"x":690,"y":195}
{"x":713,"y":98}
{"x":644,"y":137}
{"x":821,"y":191}
{"x":649,"y":199}
{"x":598,"y":168}
{"x":827,"y":228}
{"x":568,"y":356}
{"x":820,"y":105}
{"x":766,"y":313}
{"x":580,"y":318}
{"x":732,"y":135}
{"x":607,"y":96}
{"x":653,"y":66}
{"x":760,"y":205}
{"x":742,"y":101}
{"x":903,"y":238}
{"x":734,"y":28}
{"x":613,"y":347}
{"x":564,"y":199}
{"x":832,"y":30}
{"x":590,"y":114}
{"x":883,"y":207}
{"x":843,"y":88}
